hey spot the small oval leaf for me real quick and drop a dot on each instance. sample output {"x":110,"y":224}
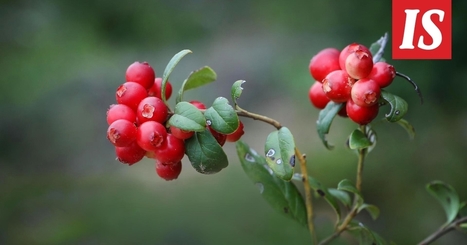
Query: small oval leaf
{"x":325,"y":118}
{"x":365,"y":235}
{"x":169,"y":68}
{"x":447,"y":196}
{"x":346,"y":185}
{"x":280,"y":153}
{"x":399,"y":106}
{"x":372,"y":210}
{"x":205,"y":154}
{"x":342,"y":196}
{"x":188,"y":117}
{"x":281,"y":195}
{"x":222,"y":116}
{"x":198,"y":78}
{"x":377,"y":48}
{"x":358,"y":140}
{"x":408,"y":127}
{"x":237,"y":90}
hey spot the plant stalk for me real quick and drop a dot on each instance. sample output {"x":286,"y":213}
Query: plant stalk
{"x":443,"y":230}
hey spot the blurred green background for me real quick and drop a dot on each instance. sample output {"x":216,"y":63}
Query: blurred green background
{"x":61,"y":61}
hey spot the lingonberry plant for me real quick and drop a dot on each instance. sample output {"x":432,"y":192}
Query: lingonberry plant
{"x":348,"y":82}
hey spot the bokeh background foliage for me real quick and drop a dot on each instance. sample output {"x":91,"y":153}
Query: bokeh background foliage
{"x":61,"y":61}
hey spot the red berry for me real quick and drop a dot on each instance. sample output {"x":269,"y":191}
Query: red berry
{"x":180,"y":133}
{"x":220,"y":138}
{"x":349,"y":49}
{"x":120,"y":111}
{"x":359,"y":64}
{"x":198,"y":104}
{"x":130,"y":154}
{"x":171,"y":151}
{"x":237,"y":134}
{"x":130,"y":94}
{"x":323,"y":63}
{"x":365,"y":92}
{"x":317,"y":96}
{"x":121,"y":133}
{"x":152,"y":109}
{"x":156,"y":89}
{"x":141,"y":73}
{"x":337,"y":86}
{"x":383,"y":74}
{"x":151,"y":135}
{"x":168,"y":171}
{"x":361,"y":115}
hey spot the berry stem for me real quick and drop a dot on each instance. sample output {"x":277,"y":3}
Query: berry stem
{"x":417,"y":89}
{"x":243,"y":113}
{"x":361,"y":158}
{"x":443,"y":230}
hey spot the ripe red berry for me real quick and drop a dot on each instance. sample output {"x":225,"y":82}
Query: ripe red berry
{"x":337,"y":86}
{"x":198,"y":104}
{"x":141,"y":73}
{"x":120,"y":111}
{"x":121,"y":133}
{"x":220,"y":138}
{"x":181,"y":134}
{"x":365,"y":92}
{"x":130,"y":94}
{"x":359,"y":64}
{"x":156,"y":89}
{"x":317,"y":96}
{"x":152,"y":109}
{"x":151,"y":135}
{"x":168,"y":171}
{"x":349,"y":49}
{"x":237,"y":134}
{"x":383,"y":74}
{"x":323,"y":63}
{"x":130,"y":154}
{"x":361,"y":115}
{"x":171,"y":151}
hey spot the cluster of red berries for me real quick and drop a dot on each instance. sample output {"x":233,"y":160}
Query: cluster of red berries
{"x":138,"y":123}
{"x":349,"y":76}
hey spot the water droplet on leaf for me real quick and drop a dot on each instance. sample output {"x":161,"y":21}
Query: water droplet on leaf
{"x":260,"y":187}
{"x":208,"y":122}
{"x":249,"y":157}
{"x":270,"y":153}
{"x":279,"y":161}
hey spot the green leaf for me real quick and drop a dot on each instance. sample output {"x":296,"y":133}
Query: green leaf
{"x":237,"y":90}
{"x":399,"y":106}
{"x":346,"y":185}
{"x":280,"y":153}
{"x":170,"y":67}
{"x":365,"y":235}
{"x":342,"y":196}
{"x":325,"y":118}
{"x":222,"y":116}
{"x":447,"y":196}
{"x":408,"y":127}
{"x":377,"y":48}
{"x":205,"y":154}
{"x":188,"y":117}
{"x":372,"y":210}
{"x":282,"y":195}
{"x":463,"y":209}
{"x":196,"y":79}
{"x":358,"y":140}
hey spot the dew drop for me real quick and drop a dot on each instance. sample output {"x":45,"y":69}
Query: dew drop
{"x":279,"y":161}
{"x":260,"y":187}
{"x":270,"y":153}
{"x":208,"y":122}
{"x":249,"y":157}
{"x":397,"y":112}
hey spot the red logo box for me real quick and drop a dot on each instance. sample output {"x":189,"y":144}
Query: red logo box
{"x":421,"y":29}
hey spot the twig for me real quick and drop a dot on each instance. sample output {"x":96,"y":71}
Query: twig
{"x":443,"y":230}
{"x":243,"y":113}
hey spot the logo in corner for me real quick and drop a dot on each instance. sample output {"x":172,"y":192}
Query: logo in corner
{"x":421,"y":29}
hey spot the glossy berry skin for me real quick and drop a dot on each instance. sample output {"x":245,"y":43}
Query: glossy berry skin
{"x":220,"y":138}
{"x":121,"y":133}
{"x":151,"y":109}
{"x":337,"y":86}
{"x":141,"y":73}
{"x":361,"y":115}
{"x":323,"y":63}
{"x":130,"y":154}
{"x":349,"y":49}
{"x":130,"y":94}
{"x":382,"y":73}
{"x":156,"y":89}
{"x":198,"y":104}
{"x":237,"y":134}
{"x":120,"y":111}
{"x":365,"y":92}
{"x":151,"y":135}
{"x":171,"y":151}
{"x":359,"y":64}
{"x":317,"y":96}
{"x":181,"y":134}
{"x":168,"y":171}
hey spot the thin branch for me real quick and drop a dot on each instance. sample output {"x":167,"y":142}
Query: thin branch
{"x":243,"y":113}
{"x":443,"y":230}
